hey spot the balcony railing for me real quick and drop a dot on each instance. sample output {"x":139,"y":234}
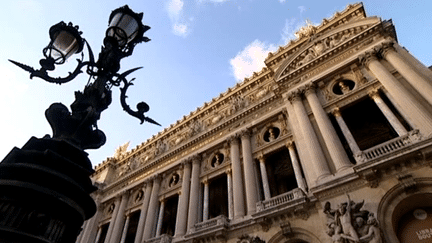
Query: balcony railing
{"x":161,"y":239}
{"x":280,"y":199}
{"x":388,"y":147}
{"x":219,"y":221}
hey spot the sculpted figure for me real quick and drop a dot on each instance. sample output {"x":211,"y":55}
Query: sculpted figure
{"x":373,"y":235}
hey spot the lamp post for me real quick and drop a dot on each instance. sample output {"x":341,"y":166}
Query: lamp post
{"x":45,"y":185}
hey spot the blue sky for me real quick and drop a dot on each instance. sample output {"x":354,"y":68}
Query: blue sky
{"x":199,"y":49}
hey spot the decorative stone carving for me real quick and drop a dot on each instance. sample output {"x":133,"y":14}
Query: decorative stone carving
{"x":174,"y":180}
{"x":347,"y":223}
{"x":121,"y":151}
{"x":306,"y":31}
{"x":249,"y":239}
{"x":139,"y":196}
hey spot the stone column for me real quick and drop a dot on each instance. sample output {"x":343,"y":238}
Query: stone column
{"x":424,"y":70}
{"x":264,"y":177}
{"x":160,"y":218}
{"x":98,"y":235}
{"x":331,"y":139}
{"x":391,"y":118}
{"x":183,"y":206}
{"x":152,"y":209}
{"x":298,"y":138}
{"x":346,"y":132}
{"x":408,"y":103}
{"x":89,"y":233}
{"x":120,"y":219}
{"x":230,"y":194}
{"x":84,"y":228}
{"x":249,"y":173}
{"x":194,"y":193}
{"x":296,"y":166}
{"x":144,"y":207}
{"x":237,"y":178}
{"x":206,"y":200}
{"x":422,"y":85}
{"x":316,"y":155}
{"x":125,"y":229}
{"x":113,"y":219}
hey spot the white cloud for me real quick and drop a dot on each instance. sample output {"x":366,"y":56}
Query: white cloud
{"x":251,"y":59}
{"x":302,"y":9}
{"x":282,"y":1}
{"x":213,"y":1}
{"x":180,"y":29}
{"x":175,"y":9}
{"x":291,"y":25}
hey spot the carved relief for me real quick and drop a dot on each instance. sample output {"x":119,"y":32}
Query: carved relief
{"x":172,"y":180}
{"x":249,"y":239}
{"x":121,"y":151}
{"x":350,"y":223}
{"x":216,"y":159}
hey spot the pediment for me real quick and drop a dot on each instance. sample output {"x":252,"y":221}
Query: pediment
{"x":318,"y":46}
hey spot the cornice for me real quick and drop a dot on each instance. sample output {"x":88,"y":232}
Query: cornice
{"x":338,"y":18}
{"x":184,"y":151}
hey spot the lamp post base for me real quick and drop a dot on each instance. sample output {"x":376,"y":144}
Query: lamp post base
{"x":44,"y":192}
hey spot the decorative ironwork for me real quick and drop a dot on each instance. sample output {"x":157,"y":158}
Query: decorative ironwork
{"x":80,"y":125}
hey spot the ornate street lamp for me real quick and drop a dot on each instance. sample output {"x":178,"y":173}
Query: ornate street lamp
{"x":45,"y":185}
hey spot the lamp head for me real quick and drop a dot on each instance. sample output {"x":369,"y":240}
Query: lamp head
{"x":126,"y":27}
{"x":65,"y":41}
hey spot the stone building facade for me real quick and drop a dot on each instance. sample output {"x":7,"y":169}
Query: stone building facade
{"x":330,"y":142}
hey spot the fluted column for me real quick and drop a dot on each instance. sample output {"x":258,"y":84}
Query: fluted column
{"x":237,"y":178}
{"x":194,"y":193}
{"x":152,"y":209}
{"x":346,"y":132}
{"x":331,"y":139}
{"x":264,"y":177}
{"x":391,"y":118}
{"x":90,"y":230}
{"x":298,"y":138}
{"x":408,"y":103}
{"x":125,"y":229}
{"x":249,"y":173}
{"x":230,"y":194}
{"x":160,"y":218}
{"x":183,"y":205}
{"x":113,"y":219}
{"x":422,"y":85}
{"x":98,"y":235}
{"x":301,"y":183}
{"x":144,"y":208}
{"x":120,"y":219}
{"x":316,"y":154}
{"x":424,"y":70}
{"x":206,"y":200}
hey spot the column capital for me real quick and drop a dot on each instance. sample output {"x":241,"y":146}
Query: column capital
{"x":205,"y":181}
{"x":367,"y":57}
{"x":233,"y":139}
{"x":185,"y":162}
{"x":294,"y":96}
{"x":374,"y":94}
{"x":336,"y":112}
{"x":289,"y":144}
{"x":386,"y":47}
{"x":196,"y":159}
{"x":309,"y":89}
{"x":228,"y":171}
{"x":261,"y":158}
{"x":245,"y":133}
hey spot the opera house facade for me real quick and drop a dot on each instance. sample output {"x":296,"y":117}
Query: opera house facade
{"x":329,"y":142}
